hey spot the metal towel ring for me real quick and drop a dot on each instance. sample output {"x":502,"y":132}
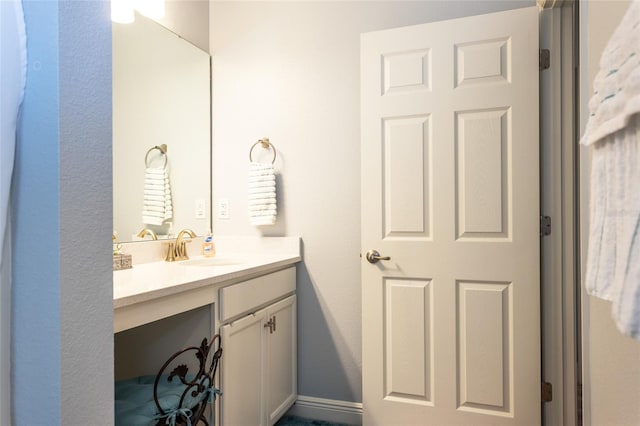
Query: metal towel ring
{"x":162,"y":148}
{"x":265,"y":144}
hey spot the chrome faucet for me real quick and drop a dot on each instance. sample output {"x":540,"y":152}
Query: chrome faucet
{"x":181,"y":244}
{"x":147,"y":231}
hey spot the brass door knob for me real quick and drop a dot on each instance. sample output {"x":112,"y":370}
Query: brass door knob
{"x":373,"y":256}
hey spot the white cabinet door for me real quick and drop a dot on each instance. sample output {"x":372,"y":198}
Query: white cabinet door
{"x":242,"y":371}
{"x":281,"y":358}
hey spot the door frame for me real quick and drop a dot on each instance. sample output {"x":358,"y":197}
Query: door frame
{"x":560,"y":255}
{"x":560,"y":280}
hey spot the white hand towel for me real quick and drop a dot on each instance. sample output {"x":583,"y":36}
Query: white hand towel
{"x":256,"y":208}
{"x":155,"y":171}
{"x":156,"y":187}
{"x":261,"y":190}
{"x":263,"y":220}
{"x":262,"y":178}
{"x":262,"y":184}
{"x":158,"y":198}
{"x":152,"y":203}
{"x":261,"y":171}
{"x":262,"y":194}
{"x":267,"y":200}
{"x":157,"y":202}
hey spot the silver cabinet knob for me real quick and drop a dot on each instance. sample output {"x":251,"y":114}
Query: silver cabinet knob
{"x":373,"y":256}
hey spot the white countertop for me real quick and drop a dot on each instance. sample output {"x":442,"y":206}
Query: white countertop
{"x":159,"y":279}
{"x":153,"y":280}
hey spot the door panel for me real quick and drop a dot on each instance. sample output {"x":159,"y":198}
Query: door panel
{"x":406,"y":188}
{"x":450,"y":192}
{"x":482,"y":182}
{"x":484,"y":344}
{"x":408,"y":360}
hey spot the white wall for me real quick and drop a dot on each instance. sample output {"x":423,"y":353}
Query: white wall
{"x":61,"y":211}
{"x":62,"y":310}
{"x":611,"y":366}
{"x":290,"y":71}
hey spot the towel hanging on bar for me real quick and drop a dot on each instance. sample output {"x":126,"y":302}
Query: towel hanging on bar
{"x":262,"y":203}
{"x":158,"y":207}
{"x":157,"y":201}
{"x":613,"y":137}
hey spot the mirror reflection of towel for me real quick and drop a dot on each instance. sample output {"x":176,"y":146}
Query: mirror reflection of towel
{"x":262,"y":194}
{"x":157,"y":207}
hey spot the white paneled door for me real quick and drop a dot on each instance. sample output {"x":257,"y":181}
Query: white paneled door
{"x":451,"y":322}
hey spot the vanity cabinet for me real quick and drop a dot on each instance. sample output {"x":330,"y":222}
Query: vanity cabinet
{"x":258,"y":371}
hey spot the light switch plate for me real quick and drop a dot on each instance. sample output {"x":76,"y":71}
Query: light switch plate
{"x":223,"y":208}
{"x":201,"y":207}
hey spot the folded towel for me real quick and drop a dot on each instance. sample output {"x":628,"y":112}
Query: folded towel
{"x":151,"y":203}
{"x":613,"y":136}
{"x":260,"y":171}
{"x":157,"y":171}
{"x":262,"y":194}
{"x":263,"y":184}
{"x":160,"y":182}
{"x":266,"y":200}
{"x":160,"y":192}
{"x":155,"y":174}
{"x":263,"y":220}
{"x":261,"y":189}
{"x":264,"y":213}
{"x":261,"y":208}
{"x":262,"y":178}
{"x":156,"y":187}
{"x":157,"y":209}
{"x":155,"y":178}
{"x":157,"y":201}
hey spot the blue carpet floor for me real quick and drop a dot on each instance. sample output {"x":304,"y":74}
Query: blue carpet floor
{"x":299,"y":421}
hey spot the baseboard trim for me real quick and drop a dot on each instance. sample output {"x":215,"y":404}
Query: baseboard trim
{"x":329,"y":410}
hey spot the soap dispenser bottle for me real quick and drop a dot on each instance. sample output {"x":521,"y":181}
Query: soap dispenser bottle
{"x":208,"y":247}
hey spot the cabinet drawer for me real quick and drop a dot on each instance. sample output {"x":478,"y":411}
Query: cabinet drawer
{"x":248,"y":295}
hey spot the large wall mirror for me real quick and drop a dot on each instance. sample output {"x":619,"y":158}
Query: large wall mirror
{"x":161,"y":96}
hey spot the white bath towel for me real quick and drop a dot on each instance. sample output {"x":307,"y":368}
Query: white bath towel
{"x":13,"y":69}
{"x":262,"y":179}
{"x":613,"y":134}
{"x":616,"y":87}
{"x":157,"y":202}
{"x":262,"y":194}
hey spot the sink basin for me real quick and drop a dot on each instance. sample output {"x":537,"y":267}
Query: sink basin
{"x":212,"y":261}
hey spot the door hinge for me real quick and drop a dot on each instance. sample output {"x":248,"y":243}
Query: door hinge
{"x":547,"y":392}
{"x":545,"y":226}
{"x":545,"y":59}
